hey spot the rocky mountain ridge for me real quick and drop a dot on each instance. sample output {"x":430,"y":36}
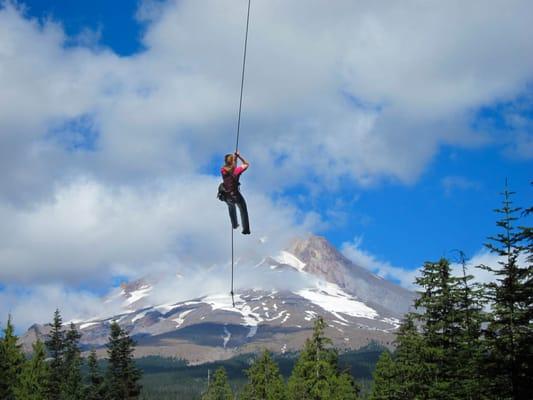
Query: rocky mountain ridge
{"x":358,"y":306}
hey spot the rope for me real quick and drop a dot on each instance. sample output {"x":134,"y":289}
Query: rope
{"x":232,"y":257}
{"x":237,"y":141}
{"x":242,"y":77}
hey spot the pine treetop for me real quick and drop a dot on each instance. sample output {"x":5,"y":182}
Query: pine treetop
{"x":122,"y":375}
{"x":264,"y":380}
{"x":11,"y":362}
{"x":219,"y":388}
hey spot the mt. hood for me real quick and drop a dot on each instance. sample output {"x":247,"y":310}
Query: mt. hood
{"x":357,"y":305}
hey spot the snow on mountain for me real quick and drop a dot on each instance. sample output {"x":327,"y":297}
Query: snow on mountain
{"x":138,"y":294}
{"x":209,"y":327}
{"x":181,"y":318}
{"x":322,"y":260}
{"x":87,"y":325}
{"x":223,"y":302}
{"x":331,"y":298}
{"x":286,"y":258}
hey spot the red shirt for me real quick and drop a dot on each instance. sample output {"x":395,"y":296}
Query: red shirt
{"x":236,"y":172}
{"x":231,"y":182}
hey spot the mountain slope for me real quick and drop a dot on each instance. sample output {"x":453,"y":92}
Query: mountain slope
{"x":323,"y":260}
{"x":358,"y":307}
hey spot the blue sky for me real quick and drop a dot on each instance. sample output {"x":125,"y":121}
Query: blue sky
{"x":140,"y":96}
{"x":114,"y":20}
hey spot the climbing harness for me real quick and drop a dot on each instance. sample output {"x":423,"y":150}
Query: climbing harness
{"x":237,"y":141}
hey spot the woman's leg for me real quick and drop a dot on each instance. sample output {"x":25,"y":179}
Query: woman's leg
{"x":232,"y":214}
{"x":241,"y":203}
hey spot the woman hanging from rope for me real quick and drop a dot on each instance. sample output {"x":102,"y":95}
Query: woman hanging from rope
{"x":229,"y":192}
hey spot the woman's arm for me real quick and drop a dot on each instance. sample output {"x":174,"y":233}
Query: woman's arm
{"x":245,"y":163}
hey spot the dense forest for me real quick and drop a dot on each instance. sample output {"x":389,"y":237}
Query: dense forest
{"x":464,"y":340}
{"x":169,"y":379}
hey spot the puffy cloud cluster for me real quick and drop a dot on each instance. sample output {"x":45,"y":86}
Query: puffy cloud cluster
{"x":354,"y":251}
{"x":107,"y":161}
{"x":366,"y":90}
{"x":89,"y":231}
{"x":36,"y":304}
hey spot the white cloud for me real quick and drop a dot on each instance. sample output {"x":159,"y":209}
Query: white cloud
{"x":358,"y":89}
{"x":88,"y":231}
{"x":436,"y":58}
{"x":36,"y":304}
{"x":354,"y":252}
{"x":406,"y":277}
{"x":483,"y":257}
{"x":453,"y":183}
{"x":195,"y":283}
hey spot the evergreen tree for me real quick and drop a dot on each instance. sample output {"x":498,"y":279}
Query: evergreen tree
{"x":56,"y":348}
{"x":122,"y":378}
{"x":438,"y":304}
{"x":312,"y":375}
{"x":449,"y":309}
{"x":345,"y":387}
{"x":96,"y":389}
{"x":526,"y":232}
{"x":508,"y":334}
{"x":412,"y":374}
{"x":470,"y":355}
{"x":219,"y":389}
{"x":11,"y":362}
{"x":316,"y":374}
{"x":34,"y":376}
{"x":72,"y":361}
{"x":384,"y":382}
{"x":264,"y":380}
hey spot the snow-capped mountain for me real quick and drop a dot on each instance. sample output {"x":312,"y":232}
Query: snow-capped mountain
{"x":321,"y":259}
{"x":358,"y":306}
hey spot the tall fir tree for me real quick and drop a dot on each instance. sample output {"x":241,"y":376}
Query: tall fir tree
{"x":34,"y":376}
{"x":122,"y":377}
{"x":438,"y":306}
{"x":219,"y":388}
{"x":526,"y":232}
{"x":384,"y":382}
{"x":56,"y":348}
{"x":11,"y":362}
{"x":95,"y":389}
{"x":72,"y":362}
{"x":471,"y":350}
{"x":316,"y":375}
{"x":508,"y":333}
{"x":345,"y":387}
{"x":412,"y":374}
{"x":264,"y":380}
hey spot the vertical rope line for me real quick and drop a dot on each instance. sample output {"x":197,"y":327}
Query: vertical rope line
{"x":232,"y":261}
{"x":237,"y":140}
{"x":242,"y":76}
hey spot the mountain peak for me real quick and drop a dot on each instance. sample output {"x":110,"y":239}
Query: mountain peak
{"x":358,"y":306}
{"x":316,"y":248}
{"x":322,"y":259}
